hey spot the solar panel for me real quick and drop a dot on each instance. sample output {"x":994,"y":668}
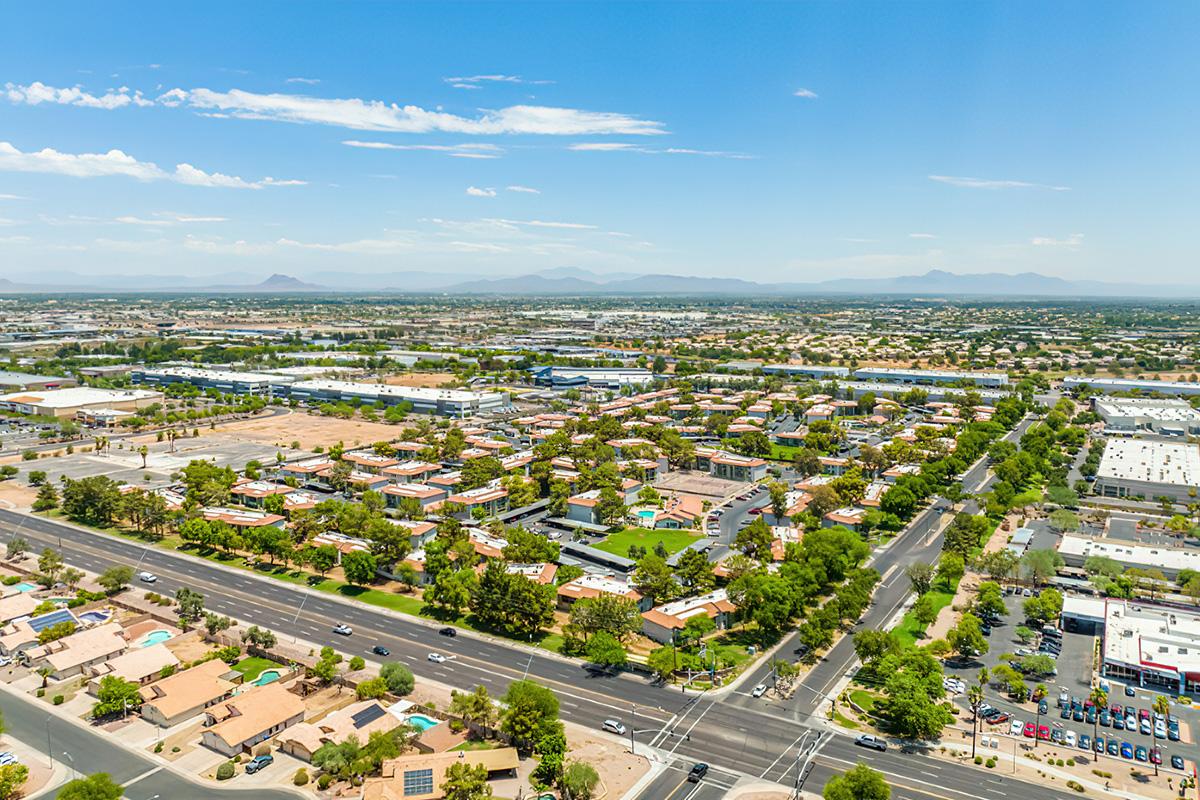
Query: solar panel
{"x":50,"y":618}
{"x":368,"y":715}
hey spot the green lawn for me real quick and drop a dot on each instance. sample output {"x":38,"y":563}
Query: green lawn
{"x":909,"y":630}
{"x":673,"y":540}
{"x":253,"y":666}
{"x":783,"y":452}
{"x":863,"y":699}
{"x":473,"y":744}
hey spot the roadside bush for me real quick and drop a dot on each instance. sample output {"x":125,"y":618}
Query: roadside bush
{"x":158,"y":748}
{"x":58,"y":700}
{"x":300,"y":778}
{"x":357,"y":663}
{"x":991,"y":763}
{"x":324,"y":781}
{"x":29,"y":455}
{"x":1070,"y":762}
{"x":225,"y":771}
{"x":1075,"y":785}
{"x":41,"y":693}
{"x":11,"y":580}
{"x":978,"y":759}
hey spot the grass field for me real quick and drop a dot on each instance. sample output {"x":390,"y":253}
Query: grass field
{"x":253,"y":666}
{"x":673,"y":540}
{"x":909,"y":630}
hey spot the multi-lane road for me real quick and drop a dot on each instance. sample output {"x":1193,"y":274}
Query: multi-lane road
{"x":738,"y":735}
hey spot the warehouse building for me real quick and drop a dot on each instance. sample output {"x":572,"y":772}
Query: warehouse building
{"x":935,"y":394}
{"x":1149,"y":468}
{"x":561,"y":377}
{"x":76,"y":401}
{"x":930,"y":376}
{"x":806,"y":371}
{"x":1116,"y":385}
{"x":446,"y":402}
{"x":224,"y":381}
{"x":20,"y":381}
{"x":1164,"y":416}
{"x":1170,"y":561}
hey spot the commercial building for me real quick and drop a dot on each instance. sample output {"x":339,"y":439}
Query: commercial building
{"x":23,"y":381}
{"x":224,"y":381}
{"x":597,"y":377}
{"x":663,"y":622}
{"x":932,"y":393}
{"x":446,"y":402}
{"x":930,"y":376}
{"x":806,"y":371}
{"x":1164,"y":416}
{"x":1152,"y":646}
{"x":69,"y":403}
{"x":1076,"y":549}
{"x":1115,"y":385}
{"x":1148,"y":468}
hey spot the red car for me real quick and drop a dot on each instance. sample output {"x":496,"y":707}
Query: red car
{"x":1155,"y":756}
{"x":756,"y":510}
{"x":1044,"y":732}
{"x":996,"y":720}
{"x":1030,"y":730}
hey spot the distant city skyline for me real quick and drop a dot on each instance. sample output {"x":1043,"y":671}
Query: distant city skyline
{"x":795,"y":142}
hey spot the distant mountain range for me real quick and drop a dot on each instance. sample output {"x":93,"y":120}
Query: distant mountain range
{"x":574,"y":281}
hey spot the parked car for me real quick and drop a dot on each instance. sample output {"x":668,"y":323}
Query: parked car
{"x":1030,"y":730}
{"x":1077,"y":715}
{"x":614,"y":726}
{"x":697,"y":773}
{"x":1070,"y":738}
{"x":1099,"y":745}
{"x":7,"y":758}
{"x":1130,"y":691}
{"x":1043,"y":707}
{"x":1118,"y":723}
{"x":759,"y":690}
{"x":1155,"y":756}
{"x":1177,"y":762}
{"x":1056,"y":736}
{"x":342,"y":629}
{"x":1085,"y":742}
{"x":259,"y":762}
{"x":1043,"y":733}
{"x":1114,"y":747}
{"x":871,"y":742}
{"x":1105,"y":719}
{"x":1126,"y":750}
{"x":1160,"y":730}
{"x":380,"y":650}
{"x":1016,"y":727}
{"x":997,"y":718}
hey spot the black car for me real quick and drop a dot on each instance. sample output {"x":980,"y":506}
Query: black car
{"x":449,"y":631}
{"x":1177,"y":762}
{"x":698,"y":772}
{"x":1130,"y":692}
{"x":380,"y":650}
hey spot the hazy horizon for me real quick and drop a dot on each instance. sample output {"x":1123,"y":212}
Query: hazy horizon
{"x":772,"y":143}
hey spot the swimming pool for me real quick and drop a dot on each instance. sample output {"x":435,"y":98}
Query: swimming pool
{"x":267,"y":676}
{"x":421,"y":722}
{"x":647,"y":515}
{"x":25,"y":587}
{"x":155,"y":637}
{"x":94,"y":616}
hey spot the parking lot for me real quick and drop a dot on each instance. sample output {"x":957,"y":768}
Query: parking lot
{"x":1074,"y":724}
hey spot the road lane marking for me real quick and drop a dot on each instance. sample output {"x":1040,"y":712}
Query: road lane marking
{"x":143,"y":776}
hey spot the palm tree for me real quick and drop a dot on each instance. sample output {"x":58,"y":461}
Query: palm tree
{"x":143,"y":451}
{"x":975,"y":699}
{"x":1099,"y":698}
{"x":1161,"y":706}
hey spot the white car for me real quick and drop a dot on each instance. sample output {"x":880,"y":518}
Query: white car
{"x":1071,"y":740}
{"x":436,"y":658}
{"x":1016,"y":727}
{"x":343,"y":629}
{"x":759,"y":690}
{"x":613,"y":726}
{"x":5,"y":661}
{"x":147,"y":577}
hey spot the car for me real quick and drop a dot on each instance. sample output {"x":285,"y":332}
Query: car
{"x":1126,"y":750}
{"x":1143,"y":713}
{"x":147,"y":577}
{"x":614,"y":726}
{"x":1117,"y":710}
{"x":1025,"y":651}
{"x":380,"y":650}
{"x":1177,"y":762}
{"x":1064,"y":697}
{"x":1145,"y":727}
{"x":1030,"y":730}
{"x":1156,"y":756}
{"x":1131,"y":723}
{"x":1043,"y":707}
{"x":1016,"y":727}
{"x":1105,"y":719}
{"x":697,"y":772}
{"x":449,"y":630}
{"x":759,"y":690}
{"x":1058,"y":736}
{"x":1173,"y":734}
{"x":1130,"y":692}
{"x":1160,"y":730}
{"x":871,"y":742}
{"x":1077,"y":715}
{"x":997,"y":718}
{"x":1099,"y":744}
{"x":342,"y":629}
{"x":1085,"y":742}
{"x":259,"y":762}
{"x":1070,"y":738}
{"x":1043,"y":732}
{"x":1065,"y":713}
{"x":1091,"y":716}
{"x":5,"y":661}
{"x":1141,"y":754}
{"x":1157,"y":716}
{"x":436,"y":658}
{"x":1118,"y":723}
{"x":7,"y":758}
{"x":1114,"y":747}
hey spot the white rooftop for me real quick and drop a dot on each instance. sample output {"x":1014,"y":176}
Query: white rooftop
{"x":77,"y":396}
{"x":1151,"y":461}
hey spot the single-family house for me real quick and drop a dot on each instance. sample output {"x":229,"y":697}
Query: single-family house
{"x":236,"y":725}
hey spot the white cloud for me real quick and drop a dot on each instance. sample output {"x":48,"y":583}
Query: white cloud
{"x":467,"y":150}
{"x":116,"y":162}
{"x":626,"y":147}
{"x":375,"y":115}
{"x":6,"y":221}
{"x":38,"y":93}
{"x":524,"y":189}
{"x":474,"y":81}
{"x":221,"y":247}
{"x":309,"y":81}
{"x":1072,"y":241}
{"x":11,"y":197}
{"x":807,"y":94}
{"x":984,"y":183}
{"x":922,"y":236}
{"x":475,"y":191}
{"x":14,"y":239}
{"x":540,"y":223}
{"x":166,"y":219}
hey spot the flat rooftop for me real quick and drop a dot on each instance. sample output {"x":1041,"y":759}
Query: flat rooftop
{"x":1163,"y":410}
{"x":1151,"y":461}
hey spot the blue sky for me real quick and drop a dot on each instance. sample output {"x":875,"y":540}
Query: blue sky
{"x":772,"y":142}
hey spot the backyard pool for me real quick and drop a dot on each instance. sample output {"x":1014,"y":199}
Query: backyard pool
{"x":646,"y":515}
{"x":95,"y":616}
{"x":154,"y":637}
{"x":421,"y":722}
{"x":25,"y":587}
{"x":267,"y":676}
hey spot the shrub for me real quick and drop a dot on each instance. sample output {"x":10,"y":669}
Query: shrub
{"x":1070,"y":762}
{"x":41,"y":692}
{"x":29,"y":455}
{"x":174,"y":749}
{"x":225,"y":771}
{"x":978,"y":759}
{"x":457,"y":726}
{"x":300,"y":778}
{"x":11,"y":580}
{"x":1076,"y":785}
{"x":324,"y":781}
{"x":357,"y":663}
{"x":58,"y":700}
{"x":158,"y":748}
{"x":991,"y":763}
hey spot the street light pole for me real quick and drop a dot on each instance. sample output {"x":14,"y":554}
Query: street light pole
{"x":49,"y":747}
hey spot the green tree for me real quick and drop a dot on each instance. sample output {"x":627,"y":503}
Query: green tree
{"x":605,"y":650}
{"x":359,"y":567}
{"x":47,"y":498}
{"x":190,"y":604}
{"x":755,"y":540}
{"x":531,"y":713}
{"x":1064,"y":521}
{"x":372,"y":689}
{"x":695,"y":572}
{"x":1040,"y":565}
{"x":398,"y":677}
{"x":94,"y":500}
{"x":12,"y":778}
{"x":475,"y":706}
{"x":859,"y":783}
{"x":654,"y":578}
{"x":50,"y":564}
{"x":912,"y":694}
{"x":966,"y":638}
{"x":920,"y":576}
{"x":466,"y":782}
{"x":950,"y":569}
{"x":115,"y":696}
{"x":115,"y":578}
{"x":924,"y":612}
{"x":580,"y":780}
{"x":94,"y":787}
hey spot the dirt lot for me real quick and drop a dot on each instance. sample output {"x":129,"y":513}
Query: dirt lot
{"x":699,"y":483}
{"x":432,"y":380}
{"x":310,"y":430}
{"x":16,"y":496}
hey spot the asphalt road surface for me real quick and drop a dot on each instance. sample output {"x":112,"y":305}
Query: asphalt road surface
{"x":93,"y":751}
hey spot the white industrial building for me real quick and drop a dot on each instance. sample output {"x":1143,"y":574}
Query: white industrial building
{"x":930,"y":376}
{"x":1114,"y":385}
{"x":806,"y":370}
{"x":447,"y":402}
{"x":69,"y":403}
{"x":1076,"y":550}
{"x":1164,"y":416}
{"x":1149,"y":468}
{"x":224,"y":381}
